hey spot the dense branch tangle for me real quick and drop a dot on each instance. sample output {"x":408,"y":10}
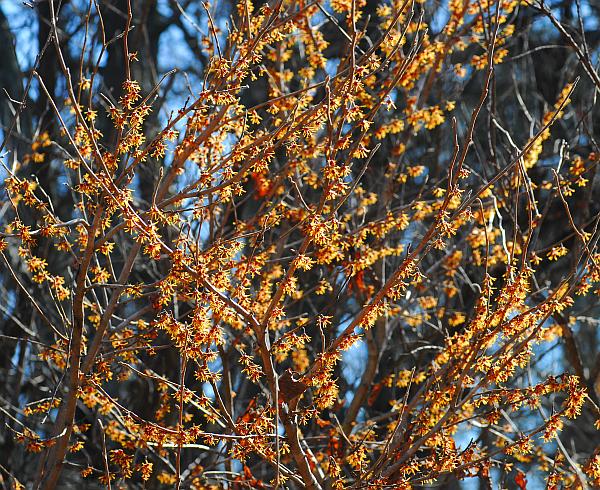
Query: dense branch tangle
{"x":286,"y":222}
